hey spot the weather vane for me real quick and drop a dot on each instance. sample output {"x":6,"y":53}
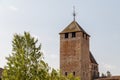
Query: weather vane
{"x":74,"y":14}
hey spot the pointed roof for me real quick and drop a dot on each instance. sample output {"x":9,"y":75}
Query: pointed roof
{"x":92,"y":59}
{"x":73,"y":27}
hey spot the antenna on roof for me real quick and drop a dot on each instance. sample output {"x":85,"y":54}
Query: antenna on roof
{"x":74,"y":14}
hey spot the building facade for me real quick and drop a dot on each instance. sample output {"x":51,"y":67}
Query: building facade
{"x":75,"y":55}
{"x":110,"y":78}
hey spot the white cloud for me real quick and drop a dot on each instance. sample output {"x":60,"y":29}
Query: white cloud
{"x":35,"y":36}
{"x":1,"y":8}
{"x":13,"y":8}
{"x":54,"y":56}
{"x":53,"y":60}
{"x":114,"y":69}
{"x":109,"y":67}
{"x":7,"y":8}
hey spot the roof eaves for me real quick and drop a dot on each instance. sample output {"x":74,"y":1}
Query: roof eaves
{"x":92,"y":59}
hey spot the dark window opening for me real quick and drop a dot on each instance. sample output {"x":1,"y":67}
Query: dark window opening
{"x":66,"y":35}
{"x":86,"y":37}
{"x":83,"y":35}
{"x":65,"y":73}
{"x":73,"y":34}
{"x":73,"y":73}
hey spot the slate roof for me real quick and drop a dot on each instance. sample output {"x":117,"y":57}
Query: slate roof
{"x":92,"y":59}
{"x":73,"y":27}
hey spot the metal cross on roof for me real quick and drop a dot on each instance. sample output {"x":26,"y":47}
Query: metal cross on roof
{"x":74,"y":14}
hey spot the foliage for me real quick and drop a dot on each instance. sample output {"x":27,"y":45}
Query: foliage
{"x":109,"y":74}
{"x":55,"y":75}
{"x":26,"y":62}
{"x":103,"y":75}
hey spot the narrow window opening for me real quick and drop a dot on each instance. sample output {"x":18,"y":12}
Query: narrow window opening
{"x":73,"y":34}
{"x":65,"y":73}
{"x":73,"y":73}
{"x":83,"y":35}
{"x":66,"y":35}
{"x":86,"y":37}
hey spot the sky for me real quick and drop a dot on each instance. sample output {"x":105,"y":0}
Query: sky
{"x":44,"y":19}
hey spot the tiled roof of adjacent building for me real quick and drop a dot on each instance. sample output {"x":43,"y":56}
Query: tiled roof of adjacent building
{"x":110,"y":78}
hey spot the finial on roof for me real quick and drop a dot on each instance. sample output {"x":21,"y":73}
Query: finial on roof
{"x":74,"y":14}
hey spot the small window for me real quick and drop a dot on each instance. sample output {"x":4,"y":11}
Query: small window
{"x":73,"y":34}
{"x":73,"y":73}
{"x":83,"y":35}
{"x":86,"y":36}
{"x":66,"y":35}
{"x":65,"y":73}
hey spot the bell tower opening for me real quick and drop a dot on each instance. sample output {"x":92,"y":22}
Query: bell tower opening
{"x":66,"y":35}
{"x":73,"y":34}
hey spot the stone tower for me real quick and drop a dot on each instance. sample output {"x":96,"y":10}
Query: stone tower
{"x":75,"y":56}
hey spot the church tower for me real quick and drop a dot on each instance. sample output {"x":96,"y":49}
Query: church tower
{"x":74,"y":51}
{"x":75,"y":56}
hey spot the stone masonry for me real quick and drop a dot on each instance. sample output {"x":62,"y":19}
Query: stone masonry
{"x":75,"y":55}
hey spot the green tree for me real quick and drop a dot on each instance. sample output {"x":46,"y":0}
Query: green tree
{"x":103,"y":75}
{"x":108,"y":74}
{"x":55,"y":75}
{"x":71,"y":77}
{"x":26,"y":62}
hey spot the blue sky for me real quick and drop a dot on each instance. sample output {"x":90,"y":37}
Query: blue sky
{"x":44,"y":19}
